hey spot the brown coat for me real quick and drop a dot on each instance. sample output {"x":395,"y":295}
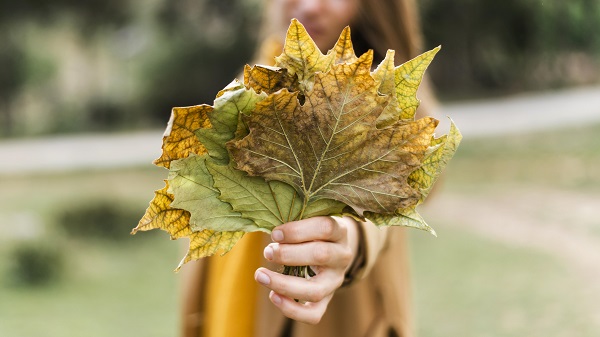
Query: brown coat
{"x":376,"y":304}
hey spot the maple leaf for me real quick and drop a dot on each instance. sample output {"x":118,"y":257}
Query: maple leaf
{"x":235,"y":98}
{"x":315,"y":135}
{"x":269,"y":79}
{"x":401,"y":84}
{"x":423,"y":179}
{"x":160,"y":215}
{"x":302,"y":57}
{"x":330,"y":147}
{"x":187,"y":127}
{"x":268,"y":204}
{"x":179,"y":139}
{"x":192,"y":187}
{"x":221,"y":198}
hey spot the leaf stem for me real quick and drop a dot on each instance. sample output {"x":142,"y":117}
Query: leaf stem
{"x":304,"y":204}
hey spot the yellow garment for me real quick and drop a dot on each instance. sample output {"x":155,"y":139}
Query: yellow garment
{"x":231,"y":291}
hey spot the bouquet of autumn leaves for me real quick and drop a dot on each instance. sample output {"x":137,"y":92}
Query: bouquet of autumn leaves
{"x":314,"y":135}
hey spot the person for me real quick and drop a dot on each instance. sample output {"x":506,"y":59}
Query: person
{"x":361,"y":287}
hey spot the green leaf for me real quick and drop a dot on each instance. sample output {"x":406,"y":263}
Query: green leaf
{"x":326,"y":207}
{"x":268,"y":204}
{"x":408,"y":77}
{"x":401,"y":83}
{"x":223,"y":117}
{"x":176,"y":222}
{"x":316,"y":135}
{"x":406,"y":218}
{"x":192,"y":185}
{"x":443,"y":150}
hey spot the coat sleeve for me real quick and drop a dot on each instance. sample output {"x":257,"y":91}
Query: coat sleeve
{"x":372,"y":240}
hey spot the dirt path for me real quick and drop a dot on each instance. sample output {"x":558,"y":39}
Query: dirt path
{"x":557,"y":222}
{"x":526,"y":112}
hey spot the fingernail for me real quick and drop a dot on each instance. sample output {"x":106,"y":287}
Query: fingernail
{"x":268,"y":252}
{"x":277,"y":235}
{"x":262,"y":278}
{"x":275,"y":298}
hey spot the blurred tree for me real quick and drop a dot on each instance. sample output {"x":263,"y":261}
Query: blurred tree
{"x":92,"y":13}
{"x":12,"y":78}
{"x":140,"y":58}
{"x":97,"y":219}
{"x":190,"y":50}
{"x":35,"y":263}
{"x":495,"y":46}
{"x":208,"y":43}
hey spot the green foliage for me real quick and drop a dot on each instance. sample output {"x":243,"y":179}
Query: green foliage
{"x":91,"y":13}
{"x":140,"y":59}
{"x":98,"y":219}
{"x":104,"y":114}
{"x":503,"y":46}
{"x":12,"y":78}
{"x":208,"y":43}
{"x":545,"y":159}
{"x":35,"y":263}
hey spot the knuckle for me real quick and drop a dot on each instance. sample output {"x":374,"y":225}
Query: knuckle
{"x":314,"y":320}
{"x":316,"y":315}
{"x":316,"y":293}
{"x":291,"y":311}
{"x":347,"y":256}
{"x":291,"y":231}
{"x":339,"y":280}
{"x":321,"y":254}
{"x":328,"y":227}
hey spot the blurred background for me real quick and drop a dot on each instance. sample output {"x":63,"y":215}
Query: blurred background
{"x":86,"y":89}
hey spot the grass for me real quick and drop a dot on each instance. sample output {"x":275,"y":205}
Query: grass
{"x":567,"y":159}
{"x":125,"y":287}
{"x":469,"y":282}
{"x":469,"y":285}
{"x":108,"y":290}
{"x":465,"y":283}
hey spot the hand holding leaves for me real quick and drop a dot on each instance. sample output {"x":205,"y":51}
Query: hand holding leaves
{"x":316,"y":135}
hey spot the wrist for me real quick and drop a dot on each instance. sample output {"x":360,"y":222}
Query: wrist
{"x":356,"y":244}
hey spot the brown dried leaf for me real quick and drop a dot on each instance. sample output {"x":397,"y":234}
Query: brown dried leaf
{"x":330,"y":147}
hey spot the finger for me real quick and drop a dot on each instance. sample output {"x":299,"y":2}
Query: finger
{"x":323,"y":228}
{"x":314,"y":253}
{"x":314,"y":289}
{"x":309,"y":312}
